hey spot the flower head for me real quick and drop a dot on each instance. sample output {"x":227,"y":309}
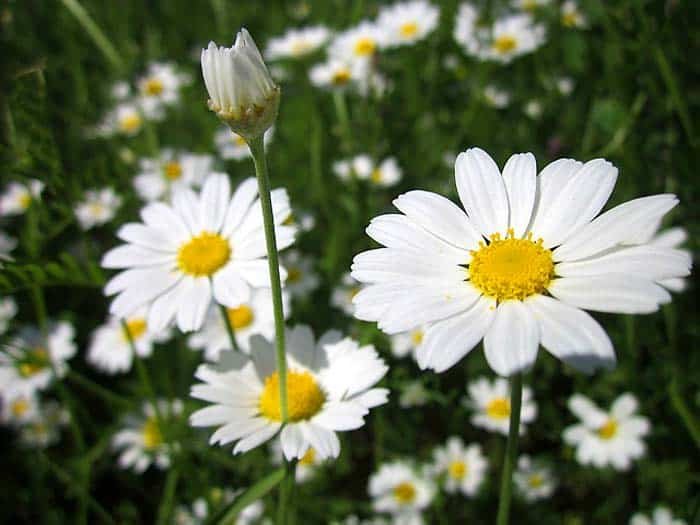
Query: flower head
{"x":534,"y":480}
{"x":406,"y":23}
{"x":159,"y":177}
{"x":98,"y":208}
{"x":398,"y":489}
{"x":463,"y":468}
{"x":297,"y":43}
{"x":301,"y":276}
{"x":661,"y":516}
{"x":490,"y":401}
{"x":18,"y":197}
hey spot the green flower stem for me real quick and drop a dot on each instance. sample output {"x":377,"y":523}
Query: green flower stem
{"x":341,"y":108}
{"x":143,"y":374}
{"x":516,"y":396}
{"x":166,"y":501}
{"x":229,"y":328}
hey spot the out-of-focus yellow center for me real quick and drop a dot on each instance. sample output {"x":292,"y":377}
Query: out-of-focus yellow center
{"x":308,"y":458}
{"x":204,"y":254}
{"x":25,"y":199}
{"x":353,"y":292}
{"x":498,"y":408}
{"x":569,"y":19}
{"x":365,"y":46}
{"x":408,"y":30}
{"x":457,"y":469}
{"x":240,"y":317}
{"x":293,"y":275}
{"x":340,"y":77}
{"x":530,"y":5}
{"x":304,"y":397}
{"x":511,"y":268}
{"x":405,"y":493}
{"x":135,"y":328}
{"x":153,"y":87}
{"x":34,"y":362}
{"x":96,"y":209}
{"x":19,"y":407}
{"x":150,"y":432}
{"x":172,"y":170}
{"x":608,"y":430}
{"x":376,"y":176}
{"x":300,"y":47}
{"x":417,"y":337}
{"x":505,"y":44}
{"x":238,"y":140}
{"x":130,"y":123}
{"x":535,"y":481}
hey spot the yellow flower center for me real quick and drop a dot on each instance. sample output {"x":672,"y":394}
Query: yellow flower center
{"x":203,"y":255}
{"x":608,"y":430}
{"x":530,"y":5}
{"x":34,"y":362}
{"x":293,"y":275}
{"x":340,"y":77}
{"x":569,"y":19}
{"x":25,"y":200}
{"x":376,"y":176}
{"x":304,"y":397}
{"x":130,"y":123}
{"x":151,"y":434}
{"x":96,"y":209}
{"x":417,"y":337}
{"x":238,"y":140}
{"x":153,"y":87}
{"x":308,"y":458}
{"x":353,"y":292}
{"x":135,"y":328}
{"x":300,"y":47}
{"x":240,"y":317}
{"x":498,"y":408}
{"x":172,"y":170}
{"x":408,"y":29}
{"x":365,"y":46}
{"x":505,"y":44}
{"x":405,"y":492}
{"x":511,"y":268}
{"x":457,"y":469}
{"x":19,"y":407}
{"x":535,"y":481}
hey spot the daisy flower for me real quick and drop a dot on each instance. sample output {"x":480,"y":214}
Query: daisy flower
{"x":160,"y":87}
{"x":387,"y":173}
{"x":407,"y":343}
{"x":44,"y":429}
{"x":302,"y":280}
{"x":202,"y":247}
{"x":8,"y":309}
{"x":18,"y":407}
{"x":406,"y":23}
{"x":338,"y":73}
{"x":359,"y":166}
{"x":297,"y":43}
{"x":533,"y":480}
{"x":464,"y":468}
{"x":672,"y":238}
{"x":254,"y":317}
{"x":496,"y":97}
{"x":358,"y":44}
{"x":519,"y":267}
{"x":571,"y":15}
{"x":660,"y":516}
{"x":467,"y":32}
{"x":533,"y":109}
{"x":490,"y":402}
{"x":343,"y":294}
{"x":307,"y":466}
{"x":98,"y":208}
{"x":231,"y":146}
{"x":125,"y":119}
{"x":397,"y":489}
{"x":160,"y":177}
{"x":18,"y":197}
{"x":565,"y":85}
{"x":413,"y":394}
{"x":328,"y":388}
{"x":30,"y":363}
{"x":110,"y":349}
{"x":612,"y":438}
{"x":141,"y":442}
{"x":530,"y":5}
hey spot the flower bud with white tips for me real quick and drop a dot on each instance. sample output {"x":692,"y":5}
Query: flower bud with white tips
{"x":241,"y":90}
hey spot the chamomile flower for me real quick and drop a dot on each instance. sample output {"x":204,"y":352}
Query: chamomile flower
{"x":307,"y":466}
{"x":519,"y":268}
{"x":464,"y":468}
{"x":110,"y":349}
{"x":329,"y":390}
{"x":533,"y":480}
{"x":565,"y":85}
{"x":496,"y":97}
{"x":398,"y":489}
{"x":613,"y":438}
{"x":359,"y":166}
{"x":231,"y":146}
{"x":203,"y":247}
{"x":413,"y":394}
{"x":8,"y":309}
{"x":18,"y":407}
{"x":343,"y":294}
{"x":98,"y":208}
{"x":338,"y":73}
{"x":490,"y":401}
{"x":467,"y":32}
{"x":406,"y":23}
{"x":141,"y":442}
{"x":125,"y":119}
{"x":254,"y":317}
{"x":160,"y":177}
{"x":385,"y":174}
{"x":571,"y":15}
{"x":672,"y":238}
{"x":44,"y":429}
{"x":407,"y":343}
{"x":533,"y":109}
{"x":660,"y":516}
{"x":301,"y":276}
{"x":159,"y":87}
{"x":297,"y":43}
{"x":18,"y":197}
{"x":30,"y":363}
{"x":530,"y":5}
{"x":358,"y":44}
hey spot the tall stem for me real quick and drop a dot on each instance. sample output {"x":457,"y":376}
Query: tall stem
{"x":516,"y":396}
{"x":142,"y":373}
{"x":229,"y":328}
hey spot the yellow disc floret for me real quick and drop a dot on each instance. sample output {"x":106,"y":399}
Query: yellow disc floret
{"x":408,"y":30}
{"x":130,"y":123}
{"x":308,"y":458}
{"x":365,"y":46}
{"x":153,"y":87}
{"x":34,"y":362}
{"x":498,"y":408}
{"x":511,"y":268}
{"x":505,"y":44}
{"x":405,"y":493}
{"x":135,"y":327}
{"x":340,"y":77}
{"x":19,"y":407}
{"x":204,"y":254}
{"x":608,"y":430}
{"x":535,"y":481}
{"x":240,"y":317}
{"x":457,"y":469}
{"x":172,"y":170}
{"x":150,"y":432}
{"x":304,"y":397}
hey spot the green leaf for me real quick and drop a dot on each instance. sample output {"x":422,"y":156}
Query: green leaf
{"x":229,"y":514}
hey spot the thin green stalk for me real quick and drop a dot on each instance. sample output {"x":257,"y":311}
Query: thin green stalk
{"x":97,"y":389}
{"x":229,"y":328}
{"x":341,"y":109}
{"x":284,"y":509}
{"x":92,"y":29}
{"x":165,"y":508}
{"x":516,"y":395}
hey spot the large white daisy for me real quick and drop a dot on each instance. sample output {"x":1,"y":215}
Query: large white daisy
{"x":329,"y":390}
{"x":204,"y":246}
{"x":519,"y":267}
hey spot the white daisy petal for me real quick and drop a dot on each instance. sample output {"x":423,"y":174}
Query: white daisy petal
{"x":214,"y":198}
{"x":230,"y":289}
{"x":511,"y":342}
{"x":256,"y":439}
{"x":129,"y":255}
{"x":520,"y":179}
{"x":241,"y":202}
{"x":293,"y":443}
{"x":196,"y":297}
{"x":550,"y":182}
{"x":187,"y":206}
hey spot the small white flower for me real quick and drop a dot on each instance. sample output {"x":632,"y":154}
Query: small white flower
{"x":660,"y":516}
{"x":8,"y":309}
{"x":120,"y":90}
{"x":110,"y":349}
{"x":301,"y":276}
{"x":338,"y":73}
{"x":304,"y":220}
{"x":18,"y":407}
{"x":254,"y":317}
{"x":44,"y":429}
{"x":241,"y":90}
{"x":359,"y":43}
{"x":611,"y":438}
{"x":406,"y":23}
{"x":307,"y":466}
{"x":203,"y":247}
{"x":464,"y":468}
{"x":216,"y":499}
{"x":413,"y":394}
{"x":490,"y":401}
{"x":160,"y":177}
{"x":386,"y":174}
{"x":534,"y":481}
{"x":407,"y":343}
{"x":571,"y":15}
{"x":160,"y":87}
{"x":329,"y":390}
{"x":396,"y":488}
{"x":125,"y":119}
{"x":231,"y":145}
{"x":98,"y":208}
{"x":533,"y":109}
{"x":496,"y":97}
{"x":565,"y":85}
{"x":343,"y":294}
{"x":7,"y":244}
{"x":297,"y":43}
{"x":18,"y":197}
{"x":141,"y":443}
